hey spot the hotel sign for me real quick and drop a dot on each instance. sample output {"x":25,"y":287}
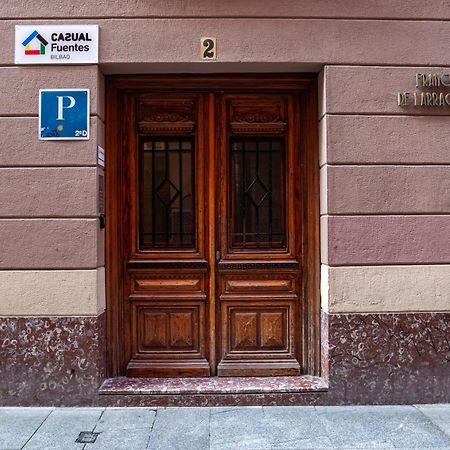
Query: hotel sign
{"x":56,"y":44}
{"x":431,"y":91}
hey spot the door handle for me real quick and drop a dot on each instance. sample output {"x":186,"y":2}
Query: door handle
{"x":217,"y":255}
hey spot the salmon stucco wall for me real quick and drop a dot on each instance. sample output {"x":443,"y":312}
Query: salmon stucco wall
{"x":385,"y":193}
{"x":51,"y":261}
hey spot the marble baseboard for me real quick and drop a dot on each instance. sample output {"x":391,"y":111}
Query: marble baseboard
{"x":389,"y":358}
{"x":51,"y":361}
{"x":324,"y":346}
{"x":366,"y":358}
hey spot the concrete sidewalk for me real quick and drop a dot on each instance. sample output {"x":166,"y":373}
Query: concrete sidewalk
{"x":349,"y":427}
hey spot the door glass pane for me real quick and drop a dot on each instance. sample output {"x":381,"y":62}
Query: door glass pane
{"x":166,"y":200}
{"x":257,"y":193}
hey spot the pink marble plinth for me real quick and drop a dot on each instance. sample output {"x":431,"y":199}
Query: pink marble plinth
{"x":213,"y":385}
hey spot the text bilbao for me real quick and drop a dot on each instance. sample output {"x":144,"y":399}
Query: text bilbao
{"x":77,"y":42}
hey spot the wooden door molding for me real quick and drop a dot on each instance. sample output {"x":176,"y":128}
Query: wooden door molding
{"x":165,"y":330}
{"x":261,"y":326}
{"x":147,"y":273}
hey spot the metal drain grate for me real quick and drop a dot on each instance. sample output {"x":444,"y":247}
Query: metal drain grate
{"x":87,"y":437}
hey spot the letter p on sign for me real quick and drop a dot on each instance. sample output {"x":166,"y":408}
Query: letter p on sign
{"x":61,"y":106}
{"x":64,"y":114}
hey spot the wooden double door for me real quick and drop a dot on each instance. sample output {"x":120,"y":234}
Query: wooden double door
{"x":212,"y":234}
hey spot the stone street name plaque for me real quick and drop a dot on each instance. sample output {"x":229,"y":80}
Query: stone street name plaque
{"x":434,"y":94}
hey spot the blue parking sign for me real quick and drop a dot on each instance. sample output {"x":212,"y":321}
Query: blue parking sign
{"x":64,"y":114}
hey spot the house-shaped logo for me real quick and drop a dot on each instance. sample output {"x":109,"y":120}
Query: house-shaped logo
{"x":39,"y":48}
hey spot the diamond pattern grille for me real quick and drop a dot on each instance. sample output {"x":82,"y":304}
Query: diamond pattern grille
{"x":167,"y":197}
{"x":257,"y":193}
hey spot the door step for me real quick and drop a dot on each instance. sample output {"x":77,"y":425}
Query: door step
{"x":213,"y":385}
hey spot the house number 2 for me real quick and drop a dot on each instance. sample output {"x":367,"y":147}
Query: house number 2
{"x":208,"y":48}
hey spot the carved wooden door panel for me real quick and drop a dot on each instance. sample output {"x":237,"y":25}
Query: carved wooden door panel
{"x":258,"y":268}
{"x":211,"y":235}
{"x":166,"y":253}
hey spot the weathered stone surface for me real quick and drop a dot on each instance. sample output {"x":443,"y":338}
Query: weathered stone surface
{"x":439,"y":415}
{"x":62,"y":427}
{"x":21,"y":147}
{"x":386,"y":190}
{"x":365,"y":240}
{"x":239,"y":429}
{"x":17,"y":425}
{"x":367,"y":289}
{"x":52,"y":292}
{"x":49,"y":244}
{"x":126,"y":419}
{"x":293,"y":427}
{"x":374,"y":359}
{"x":365,"y":427}
{"x":136,"y":439}
{"x":128,"y":428}
{"x":401,"y":9}
{"x":19,"y":86}
{"x":389,"y":358}
{"x":375,"y":139}
{"x":49,"y":192}
{"x":373,"y":90}
{"x":298,"y":42}
{"x":51,"y":360}
{"x":177,"y":428}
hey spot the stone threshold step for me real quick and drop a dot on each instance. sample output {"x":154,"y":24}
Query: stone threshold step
{"x":213,"y":385}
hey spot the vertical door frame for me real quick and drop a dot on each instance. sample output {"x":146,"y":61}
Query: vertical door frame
{"x":117,"y":87}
